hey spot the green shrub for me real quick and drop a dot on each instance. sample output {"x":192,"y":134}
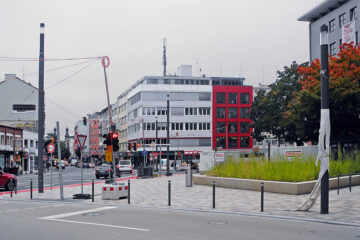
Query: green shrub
{"x":282,"y":169}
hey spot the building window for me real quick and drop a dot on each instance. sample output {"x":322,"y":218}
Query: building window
{"x":220,"y":142}
{"x":244,"y":142}
{"x":332,"y":49}
{"x":25,"y":143}
{"x":353,"y":14}
{"x":341,"y":20}
{"x":340,"y":42}
{"x":233,"y":127}
{"x":356,"y":37}
{"x":204,"y":111}
{"x":233,"y":98}
{"x":244,"y":98}
{"x":220,"y":127}
{"x":232,"y":113}
{"x":244,"y":113}
{"x":233,"y":142}
{"x":332,"y":25}
{"x":220,"y":112}
{"x":190,"y":111}
{"x":244,"y":127}
{"x":220,"y":98}
{"x":161,"y":111}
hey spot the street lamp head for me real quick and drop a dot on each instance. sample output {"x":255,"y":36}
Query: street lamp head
{"x":42,"y":27}
{"x":164,"y":42}
{"x":324,"y":35}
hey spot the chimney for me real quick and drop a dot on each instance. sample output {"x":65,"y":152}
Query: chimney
{"x":10,"y":76}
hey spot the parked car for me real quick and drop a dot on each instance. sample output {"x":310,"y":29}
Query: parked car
{"x":73,"y":162}
{"x":86,"y":165}
{"x":7,"y":181}
{"x":103,"y":171}
{"x":62,"y":164}
{"x":124,"y":166}
{"x":92,"y":165}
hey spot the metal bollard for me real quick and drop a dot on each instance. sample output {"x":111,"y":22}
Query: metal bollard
{"x":51,"y":180}
{"x":350,"y":182}
{"x":213,"y":203}
{"x":15,"y":187}
{"x":11,"y":192}
{"x":128,"y":191}
{"x":169,"y":193}
{"x":262,"y":197}
{"x":338,"y":188}
{"x":31,"y":186}
{"x":92,"y":190}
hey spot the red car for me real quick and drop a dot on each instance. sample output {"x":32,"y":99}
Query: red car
{"x":7,"y":181}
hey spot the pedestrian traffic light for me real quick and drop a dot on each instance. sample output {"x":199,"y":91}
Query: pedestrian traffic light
{"x":84,"y":121}
{"x":135,"y":146}
{"x":115,"y":141}
{"x":129,"y":147}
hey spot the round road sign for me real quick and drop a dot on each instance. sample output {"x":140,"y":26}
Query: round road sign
{"x":50,"y":148}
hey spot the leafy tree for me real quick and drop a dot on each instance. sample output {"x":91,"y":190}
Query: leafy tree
{"x":268,"y":109}
{"x":344,"y":97}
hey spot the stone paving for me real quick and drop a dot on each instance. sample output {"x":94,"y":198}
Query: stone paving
{"x":153,"y":192}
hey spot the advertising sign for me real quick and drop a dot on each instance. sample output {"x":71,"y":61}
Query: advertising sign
{"x":348,"y":33}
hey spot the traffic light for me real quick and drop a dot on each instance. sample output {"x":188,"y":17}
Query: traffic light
{"x":107,"y":140}
{"x":129,"y":147}
{"x":134,"y":146}
{"x":84,"y":121}
{"x":115,"y":141}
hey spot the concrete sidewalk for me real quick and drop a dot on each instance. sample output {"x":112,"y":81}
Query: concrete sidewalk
{"x":153,"y":192}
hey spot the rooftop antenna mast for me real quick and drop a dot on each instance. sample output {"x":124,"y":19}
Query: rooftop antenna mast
{"x":164,"y":56}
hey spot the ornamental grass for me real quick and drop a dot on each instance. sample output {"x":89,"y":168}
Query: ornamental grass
{"x":282,"y":169}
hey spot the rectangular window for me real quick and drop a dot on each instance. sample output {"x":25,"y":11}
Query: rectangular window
{"x":233,"y":98}
{"x":186,"y":126}
{"x":332,"y":25}
{"x":233,"y":127}
{"x":25,"y":143}
{"x":220,"y":112}
{"x":244,"y":127}
{"x":356,"y":37}
{"x":200,"y":126}
{"x":232,"y":113}
{"x":220,"y":127}
{"x":244,"y":142}
{"x":181,"y":126}
{"x":204,"y":142}
{"x":340,"y":42}
{"x":233,"y":142}
{"x":353,"y":14}
{"x":177,"y":111}
{"x":332,"y":49}
{"x":220,"y":98}
{"x":244,"y":98}
{"x":195,"y":126}
{"x":172,"y":126}
{"x":341,"y":20}
{"x":204,"y":96}
{"x":244,"y":113}
{"x":152,"y":81}
{"x":220,"y":142}
{"x":161,"y":111}
{"x":208,"y":126}
{"x":2,"y":140}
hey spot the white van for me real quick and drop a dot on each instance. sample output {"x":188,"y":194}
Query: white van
{"x":73,"y":162}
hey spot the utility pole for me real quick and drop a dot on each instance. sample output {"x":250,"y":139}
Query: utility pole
{"x":325,"y":116}
{"x":168,"y":173}
{"x":60,"y":167}
{"x":41,"y":113}
{"x":156,"y":136}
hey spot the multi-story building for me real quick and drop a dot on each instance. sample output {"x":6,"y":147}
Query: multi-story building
{"x":30,"y":151}
{"x":11,"y":148}
{"x":122,"y":116}
{"x":342,"y":19}
{"x":93,"y":121}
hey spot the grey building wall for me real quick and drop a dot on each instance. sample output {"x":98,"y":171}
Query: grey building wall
{"x":335,"y":36}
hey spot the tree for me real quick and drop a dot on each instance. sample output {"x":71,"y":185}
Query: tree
{"x":344,"y":97}
{"x":268,"y":109}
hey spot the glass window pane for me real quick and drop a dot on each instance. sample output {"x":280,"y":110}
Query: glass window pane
{"x":244,"y":127}
{"x":220,"y":112}
{"x":232,"y":113}
{"x":244,"y":142}
{"x":220,"y":127}
{"x":220,"y":97}
{"x":244,"y":98}
{"x":244,"y":113}
{"x":233,"y":98}
{"x":232,"y":142}
{"x":220,"y":142}
{"x":233,"y":127}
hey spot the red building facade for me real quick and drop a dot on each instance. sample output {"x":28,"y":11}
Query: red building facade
{"x":94,"y":137}
{"x":231,"y":108}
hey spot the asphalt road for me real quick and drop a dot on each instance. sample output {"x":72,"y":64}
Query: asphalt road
{"x":33,"y":220}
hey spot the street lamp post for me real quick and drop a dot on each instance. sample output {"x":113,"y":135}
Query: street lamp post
{"x":156,"y":137}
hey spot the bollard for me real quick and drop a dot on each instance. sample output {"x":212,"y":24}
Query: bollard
{"x":213,"y":203}
{"x":31,"y":188}
{"x":262,"y":197}
{"x":15,"y":187}
{"x":11,"y":192}
{"x":51,"y":180}
{"x":338,"y":188}
{"x":93,"y":190}
{"x":350,"y":182}
{"x":169,"y":193}
{"x":128,"y":191}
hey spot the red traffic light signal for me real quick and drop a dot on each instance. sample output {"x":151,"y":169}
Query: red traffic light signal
{"x":115,"y":135}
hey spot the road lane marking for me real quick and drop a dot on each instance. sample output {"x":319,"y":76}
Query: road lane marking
{"x":76,"y":213}
{"x":58,"y":216}
{"x":13,"y":210}
{"x":100,"y":224}
{"x":58,"y":205}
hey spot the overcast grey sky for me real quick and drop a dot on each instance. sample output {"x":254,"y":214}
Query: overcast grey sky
{"x":251,"y":38}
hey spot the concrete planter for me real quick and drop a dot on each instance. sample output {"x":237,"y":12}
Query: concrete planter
{"x":272,"y":186}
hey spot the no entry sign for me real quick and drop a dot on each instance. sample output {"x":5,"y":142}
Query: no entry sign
{"x":50,"y":148}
